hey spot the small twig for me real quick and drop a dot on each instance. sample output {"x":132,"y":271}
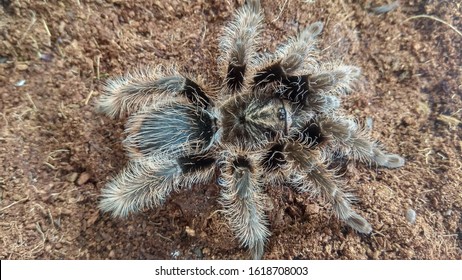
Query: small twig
{"x":427,"y":191}
{"x":88,"y":97}
{"x":163,"y":237}
{"x":34,"y":19}
{"x":39,"y":229}
{"x":5,"y":121}
{"x":280,"y":12}
{"x":213,"y":214}
{"x":14,"y":203}
{"x":51,"y":218}
{"x":61,"y":110}
{"x":31,"y":101}
{"x":48,"y":31}
{"x":203,"y":34}
{"x":435,"y":19}
{"x":58,"y":151}
{"x":443,"y":157}
{"x":451,"y":121}
{"x":50,"y":165}
{"x":427,"y":156}
{"x":98,"y":58}
{"x":379,"y":233}
{"x":449,"y":235}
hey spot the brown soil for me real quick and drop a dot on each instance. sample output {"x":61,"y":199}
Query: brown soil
{"x":56,"y":153}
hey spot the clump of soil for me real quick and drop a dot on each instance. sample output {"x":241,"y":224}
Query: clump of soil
{"x":56,"y":153}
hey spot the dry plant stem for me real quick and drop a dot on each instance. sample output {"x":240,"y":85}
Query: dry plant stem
{"x":280,"y":12}
{"x":14,"y":203}
{"x":435,"y":19}
{"x":34,"y":19}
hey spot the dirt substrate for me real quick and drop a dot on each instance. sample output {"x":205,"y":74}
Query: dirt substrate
{"x":56,"y":153}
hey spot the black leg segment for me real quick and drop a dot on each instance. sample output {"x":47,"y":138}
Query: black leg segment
{"x":193,"y":163}
{"x":195,"y":93}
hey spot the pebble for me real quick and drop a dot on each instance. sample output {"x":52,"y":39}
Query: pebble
{"x":175,"y":254}
{"x":66,"y":212}
{"x":83,"y":178}
{"x":190,"y":231}
{"x":46,"y":57}
{"x":31,"y":226}
{"x":22,"y":66}
{"x":198,"y":252}
{"x":312,"y":209}
{"x":410,"y":216}
{"x":369,"y":123}
{"x":206,"y":251}
{"x":72,"y":177}
{"x":92,"y":219}
{"x":20,"y":83}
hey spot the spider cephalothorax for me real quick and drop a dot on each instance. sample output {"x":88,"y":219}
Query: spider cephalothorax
{"x":275,"y":121}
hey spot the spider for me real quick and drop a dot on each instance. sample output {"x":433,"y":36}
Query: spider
{"x":274,"y":120}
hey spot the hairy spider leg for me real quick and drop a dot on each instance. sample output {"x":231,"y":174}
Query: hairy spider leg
{"x":319,"y":90}
{"x":243,"y":199}
{"x":309,"y":175}
{"x":238,"y":46}
{"x":147,"y":87}
{"x":348,"y":138}
{"x":328,"y":82}
{"x":146,"y":183}
{"x":333,"y":78}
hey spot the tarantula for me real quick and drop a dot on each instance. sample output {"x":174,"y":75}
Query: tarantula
{"x":273,"y":121}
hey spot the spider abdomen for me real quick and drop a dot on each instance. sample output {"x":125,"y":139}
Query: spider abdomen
{"x":170,"y":129}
